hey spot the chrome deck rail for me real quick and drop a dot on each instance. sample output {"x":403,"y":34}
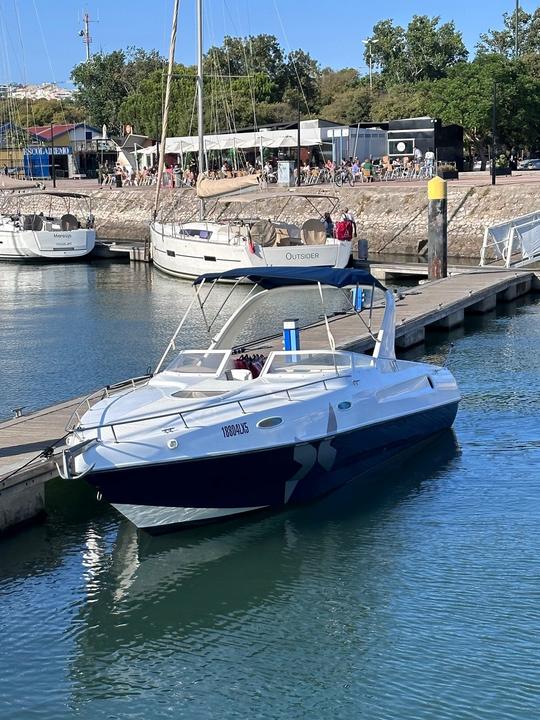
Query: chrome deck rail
{"x":182,"y":413}
{"x":102,"y":393}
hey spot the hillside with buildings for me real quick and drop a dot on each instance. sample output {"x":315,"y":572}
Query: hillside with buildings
{"x":41,"y":91}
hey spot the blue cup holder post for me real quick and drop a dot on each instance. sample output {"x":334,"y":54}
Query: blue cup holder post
{"x":291,"y":336}
{"x":358,"y":298}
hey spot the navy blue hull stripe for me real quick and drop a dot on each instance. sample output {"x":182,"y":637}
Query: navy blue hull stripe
{"x":269,"y":477}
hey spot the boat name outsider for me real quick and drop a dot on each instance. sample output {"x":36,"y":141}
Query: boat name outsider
{"x":302,"y":256}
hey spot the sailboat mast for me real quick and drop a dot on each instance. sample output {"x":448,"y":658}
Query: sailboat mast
{"x":200,"y":110}
{"x":165,"y":117}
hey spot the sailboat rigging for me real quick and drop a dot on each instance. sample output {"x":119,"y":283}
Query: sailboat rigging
{"x":188,"y":249}
{"x":172,"y":48}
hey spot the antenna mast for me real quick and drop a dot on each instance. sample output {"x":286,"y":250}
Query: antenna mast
{"x":85,"y":33}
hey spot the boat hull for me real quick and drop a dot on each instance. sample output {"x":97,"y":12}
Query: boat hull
{"x":46,"y":244}
{"x":211,"y":488}
{"x":189,"y":258}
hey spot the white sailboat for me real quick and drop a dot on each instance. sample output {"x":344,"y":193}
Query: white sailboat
{"x":189,"y":249}
{"x":44,"y":234}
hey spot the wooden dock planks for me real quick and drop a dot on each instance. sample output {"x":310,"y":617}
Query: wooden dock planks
{"x":22,"y":439}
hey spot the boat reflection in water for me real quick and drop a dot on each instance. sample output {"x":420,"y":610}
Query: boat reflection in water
{"x":172,"y":595}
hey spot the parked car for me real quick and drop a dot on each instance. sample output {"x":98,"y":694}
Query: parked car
{"x":530,"y":164}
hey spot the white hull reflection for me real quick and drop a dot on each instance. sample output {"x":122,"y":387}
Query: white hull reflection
{"x":155,"y":517}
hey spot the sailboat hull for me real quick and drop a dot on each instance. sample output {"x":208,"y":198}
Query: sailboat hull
{"x":187,"y":257}
{"x":45,"y":245}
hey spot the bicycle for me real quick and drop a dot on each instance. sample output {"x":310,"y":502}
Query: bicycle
{"x":343,"y":176}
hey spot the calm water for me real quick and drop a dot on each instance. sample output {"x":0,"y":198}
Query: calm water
{"x":417,"y":599}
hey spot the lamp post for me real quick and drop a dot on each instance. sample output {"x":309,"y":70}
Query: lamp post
{"x":368,"y":42}
{"x":494,"y":136}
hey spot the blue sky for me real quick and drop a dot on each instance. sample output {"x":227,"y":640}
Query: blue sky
{"x":42,"y":43}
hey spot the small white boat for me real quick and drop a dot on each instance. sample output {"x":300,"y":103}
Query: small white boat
{"x":44,"y":235}
{"x":242,"y":426}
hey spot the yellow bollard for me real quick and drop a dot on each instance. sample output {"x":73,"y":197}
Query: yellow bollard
{"x":437,"y":229}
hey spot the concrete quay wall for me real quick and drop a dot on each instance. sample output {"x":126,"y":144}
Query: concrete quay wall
{"x":392,"y":217}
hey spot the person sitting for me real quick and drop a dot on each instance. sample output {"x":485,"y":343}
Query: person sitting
{"x":367,"y":170}
{"x":355,"y":170}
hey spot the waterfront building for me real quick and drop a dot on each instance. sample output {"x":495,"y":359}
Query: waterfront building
{"x":320,"y":140}
{"x":78,"y":148}
{"x":423,"y":133}
{"x":13,"y":140}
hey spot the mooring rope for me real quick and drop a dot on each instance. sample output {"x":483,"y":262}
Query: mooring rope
{"x":46,"y":453}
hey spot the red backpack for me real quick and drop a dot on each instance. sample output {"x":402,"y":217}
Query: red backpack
{"x":343,"y":230}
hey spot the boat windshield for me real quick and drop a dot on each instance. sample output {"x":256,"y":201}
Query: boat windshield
{"x":280,"y":363}
{"x":300,"y":303}
{"x":199,"y":362}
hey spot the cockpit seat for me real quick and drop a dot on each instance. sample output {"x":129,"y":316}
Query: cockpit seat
{"x":313,"y":232}
{"x":33,"y":222}
{"x":263,"y":233}
{"x":68,"y":222}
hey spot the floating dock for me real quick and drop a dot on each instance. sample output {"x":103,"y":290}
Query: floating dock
{"x":441,"y":304}
{"x":132,"y":250}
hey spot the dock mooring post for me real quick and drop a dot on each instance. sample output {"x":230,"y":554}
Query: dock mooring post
{"x":437,"y":229}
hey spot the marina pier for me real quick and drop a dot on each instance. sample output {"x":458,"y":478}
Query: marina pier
{"x":434,"y":306}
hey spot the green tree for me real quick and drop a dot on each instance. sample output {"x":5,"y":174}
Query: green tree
{"x":503,"y":41}
{"x":423,"y":51}
{"x":233,"y":102}
{"x":351,"y":105}
{"x":247,"y":57}
{"x":139,"y":64}
{"x":399,"y":101}
{"x":333,"y":83}
{"x":106,"y":80}
{"x":101,"y":87}
{"x":303,"y":82}
{"x":465,"y":97}
{"x":143,"y":108}
{"x":275,"y":112}
{"x":40,"y":112}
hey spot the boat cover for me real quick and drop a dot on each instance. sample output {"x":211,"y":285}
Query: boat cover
{"x":208,"y":187}
{"x":273,"y":277}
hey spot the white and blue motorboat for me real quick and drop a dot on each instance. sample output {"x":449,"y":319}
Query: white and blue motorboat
{"x":242,"y":425}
